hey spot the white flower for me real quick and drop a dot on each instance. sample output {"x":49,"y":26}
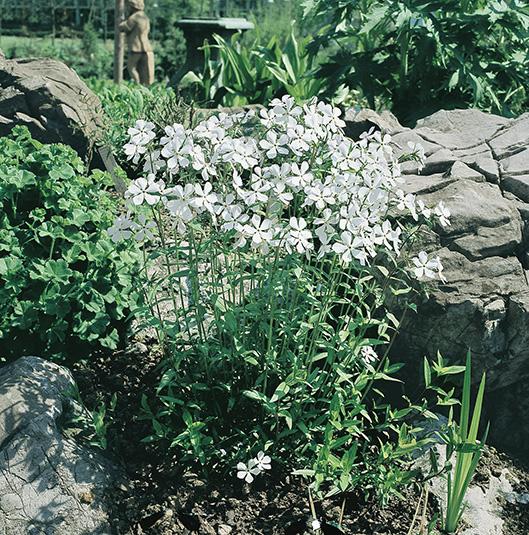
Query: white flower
{"x":204,"y":198}
{"x":319,"y":195}
{"x":299,"y":238}
{"x":247,"y":472}
{"x":143,"y":229}
{"x":349,"y":248}
{"x":443,"y":213}
{"x":425,"y":267}
{"x":234,"y":218}
{"x":300,"y":176}
{"x":423,"y":209}
{"x":263,"y":461}
{"x":316,"y":525}
{"x":330,"y":116}
{"x":121,"y":229}
{"x":134,"y":152}
{"x":145,"y":190}
{"x":260,"y":231}
{"x":274,"y":144}
{"x":141,"y":133}
{"x":368,"y":354}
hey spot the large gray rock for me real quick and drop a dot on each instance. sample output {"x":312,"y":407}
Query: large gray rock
{"x":51,"y":100}
{"x":49,"y":484}
{"x":478,"y":165}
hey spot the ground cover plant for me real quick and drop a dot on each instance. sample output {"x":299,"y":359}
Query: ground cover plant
{"x":278,"y":242}
{"x":66,"y":288}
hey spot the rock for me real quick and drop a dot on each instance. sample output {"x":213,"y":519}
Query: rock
{"x":486,"y":166}
{"x":512,"y":139}
{"x":483,"y":222}
{"x":439,"y":162}
{"x":359,"y":121}
{"x":483,"y":513}
{"x":460,"y":129}
{"x":48,"y":484}
{"x":518,"y":185}
{"x":51,"y":100}
{"x":517,"y":164}
{"x":462,"y":170}
{"x":484,"y":304}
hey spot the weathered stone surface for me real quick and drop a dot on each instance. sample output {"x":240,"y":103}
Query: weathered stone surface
{"x":51,"y":100}
{"x":483,"y":222}
{"x":478,"y":165}
{"x":359,"y":121}
{"x":462,"y":170}
{"x":512,"y":139}
{"x":45,"y":478}
{"x":460,"y":129}
{"x":517,"y":164}
{"x":518,"y":185}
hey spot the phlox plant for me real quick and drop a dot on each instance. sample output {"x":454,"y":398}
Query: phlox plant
{"x":272,"y":244}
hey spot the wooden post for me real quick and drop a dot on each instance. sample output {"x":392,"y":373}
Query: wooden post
{"x":119,"y":42}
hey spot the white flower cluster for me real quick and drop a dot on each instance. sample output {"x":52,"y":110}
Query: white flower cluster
{"x":295,"y":182}
{"x":254,"y":467}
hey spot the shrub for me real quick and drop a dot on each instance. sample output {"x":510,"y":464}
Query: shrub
{"x":420,"y":56}
{"x":274,"y":256}
{"x":65,"y":288}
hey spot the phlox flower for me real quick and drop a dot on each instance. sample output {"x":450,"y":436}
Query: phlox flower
{"x":299,"y":237}
{"x":204,"y":198}
{"x":259,"y":231}
{"x":443,"y":213}
{"x":263,"y":461}
{"x":300,"y":176}
{"x":274,"y":144}
{"x":142,"y":133}
{"x":145,"y":190}
{"x":368,"y":354}
{"x":121,"y":229}
{"x":350,"y":248}
{"x":426,"y":267}
{"x":248,"y":471}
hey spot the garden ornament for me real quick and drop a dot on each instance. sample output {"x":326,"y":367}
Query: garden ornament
{"x":140,"y":58}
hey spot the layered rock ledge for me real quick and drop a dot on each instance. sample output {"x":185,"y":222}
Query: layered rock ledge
{"x":478,"y":165}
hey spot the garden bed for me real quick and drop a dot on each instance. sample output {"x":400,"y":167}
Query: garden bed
{"x":162,"y":499}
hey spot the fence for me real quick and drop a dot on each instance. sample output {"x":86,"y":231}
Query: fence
{"x":66,"y":17}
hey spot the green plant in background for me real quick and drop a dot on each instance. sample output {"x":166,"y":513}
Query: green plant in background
{"x":237,"y":73}
{"x":461,"y":440}
{"x":92,"y":424}
{"x":65,"y":288}
{"x":422,"y":55}
{"x":88,"y":56}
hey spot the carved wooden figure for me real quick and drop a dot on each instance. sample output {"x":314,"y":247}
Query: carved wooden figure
{"x":140,"y":59}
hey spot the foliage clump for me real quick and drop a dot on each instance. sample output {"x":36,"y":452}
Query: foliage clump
{"x":419,"y":56}
{"x":65,"y":288}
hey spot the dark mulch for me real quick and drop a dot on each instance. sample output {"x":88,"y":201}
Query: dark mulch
{"x":162,"y":500}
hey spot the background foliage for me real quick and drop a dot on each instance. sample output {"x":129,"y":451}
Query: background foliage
{"x":419,"y":56}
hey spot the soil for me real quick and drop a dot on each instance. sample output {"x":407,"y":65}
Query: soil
{"x":163,"y":500}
